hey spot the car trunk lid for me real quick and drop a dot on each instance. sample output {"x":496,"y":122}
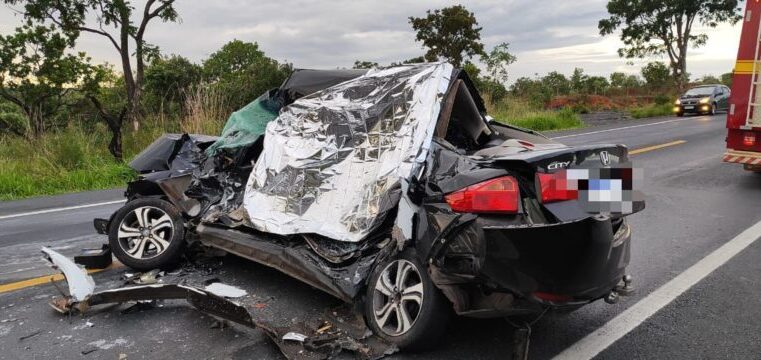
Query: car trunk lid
{"x":601,"y":176}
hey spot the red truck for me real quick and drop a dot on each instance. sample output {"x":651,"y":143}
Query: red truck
{"x":744,"y":116}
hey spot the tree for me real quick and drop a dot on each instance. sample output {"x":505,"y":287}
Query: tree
{"x":234,"y":57}
{"x":556,"y":83}
{"x":451,"y":33}
{"x":497,"y":61}
{"x":632,"y":81}
{"x":167,"y":79}
{"x":709,"y":79}
{"x":37,"y":74}
{"x":242,"y":72}
{"x":102,"y":17}
{"x":579,"y":80}
{"x":102,"y":87}
{"x":532,"y":89}
{"x":12,"y":120}
{"x":618,"y":80}
{"x":364,"y":64}
{"x":596,"y":85}
{"x":415,"y":60}
{"x":657,"y":27}
{"x":727,"y":78}
{"x":656,"y":74}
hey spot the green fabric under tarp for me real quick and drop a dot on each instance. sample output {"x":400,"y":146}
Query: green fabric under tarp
{"x":245,"y":126}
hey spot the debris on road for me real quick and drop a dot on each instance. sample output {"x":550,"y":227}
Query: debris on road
{"x":81,"y":285}
{"x":225,"y":290}
{"x":300,"y":341}
{"x":95,"y":258}
{"x":30,"y":335}
{"x":294,"y":336}
{"x":149,"y":278}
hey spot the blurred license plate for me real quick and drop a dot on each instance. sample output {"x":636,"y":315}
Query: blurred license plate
{"x":611,"y":190}
{"x":689,"y":107}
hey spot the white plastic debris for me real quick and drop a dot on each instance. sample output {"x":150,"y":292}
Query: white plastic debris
{"x":225,"y":290}
{"x":294,"y":336}
{"x":81,"y":284}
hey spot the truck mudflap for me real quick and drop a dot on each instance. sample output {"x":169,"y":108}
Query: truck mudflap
{"x":573,"y":262}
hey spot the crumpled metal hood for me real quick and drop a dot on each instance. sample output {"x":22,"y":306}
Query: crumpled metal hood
{"x":333,"y":160}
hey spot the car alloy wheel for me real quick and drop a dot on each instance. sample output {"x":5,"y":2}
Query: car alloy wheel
{"x":145,"y":232}
{"x":398,"y":297}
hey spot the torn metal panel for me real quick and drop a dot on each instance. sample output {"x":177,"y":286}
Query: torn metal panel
{"x":295,"y":257}
{"x":303,"y":82}
{"x":81,"y":284}
{"x":342,"y":151}
{"x":176,"y":152}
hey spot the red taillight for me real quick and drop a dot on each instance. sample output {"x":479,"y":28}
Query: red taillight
{"x":749,"y":139}
{"x":554,"y":187}
{"x":500,"y":195}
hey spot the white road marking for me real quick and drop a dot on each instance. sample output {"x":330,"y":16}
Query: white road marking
{"x":622,"y":128}
{"x":46,"y":211}
{"x":594,"y":343}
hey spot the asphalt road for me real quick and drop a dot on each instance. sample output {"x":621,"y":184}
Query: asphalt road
{"x":695,"y":204}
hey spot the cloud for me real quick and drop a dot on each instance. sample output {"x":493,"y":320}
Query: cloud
{"x":545,"y":35}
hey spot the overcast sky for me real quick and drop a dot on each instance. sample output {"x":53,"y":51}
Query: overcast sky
{"x":545,"y":35}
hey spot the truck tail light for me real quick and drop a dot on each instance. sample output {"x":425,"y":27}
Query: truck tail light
{"x":749,"y":139}
{"x":500,"y":195}
{"x":554,"y":187}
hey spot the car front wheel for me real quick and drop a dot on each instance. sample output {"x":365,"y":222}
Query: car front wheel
{"x":147,"y":234}
{"x":403,"y":306}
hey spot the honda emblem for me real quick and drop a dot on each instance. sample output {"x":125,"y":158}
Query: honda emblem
{"x":605,"y":158}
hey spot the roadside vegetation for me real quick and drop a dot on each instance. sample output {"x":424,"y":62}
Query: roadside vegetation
{"x":67,"y":124}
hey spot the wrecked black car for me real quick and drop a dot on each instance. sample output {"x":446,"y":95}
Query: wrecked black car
{"x":391,"y":188}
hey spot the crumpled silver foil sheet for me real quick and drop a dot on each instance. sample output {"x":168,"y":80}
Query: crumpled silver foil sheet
{"x":333,"y":160}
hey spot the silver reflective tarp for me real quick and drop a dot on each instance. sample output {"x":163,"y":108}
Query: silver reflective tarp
{"x":332,"y":161}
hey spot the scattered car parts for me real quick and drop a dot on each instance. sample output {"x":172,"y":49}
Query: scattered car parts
{"x":95,"y":258}
{"x":212,"y":300}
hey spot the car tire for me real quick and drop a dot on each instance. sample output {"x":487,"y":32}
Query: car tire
{"x":411,"y":300}
{"x":147,"y":234}
{"x":679,"y":114}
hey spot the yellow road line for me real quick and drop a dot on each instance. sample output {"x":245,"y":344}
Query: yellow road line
{"x":46,"y":279}
{"x":656,"y":147}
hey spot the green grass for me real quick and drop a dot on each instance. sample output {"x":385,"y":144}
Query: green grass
{"x":67,"y":161}
{"x":652,"y":111}
{"x":520,"y":113}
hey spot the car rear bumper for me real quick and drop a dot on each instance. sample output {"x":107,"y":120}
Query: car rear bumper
{"x":558,"y":265}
